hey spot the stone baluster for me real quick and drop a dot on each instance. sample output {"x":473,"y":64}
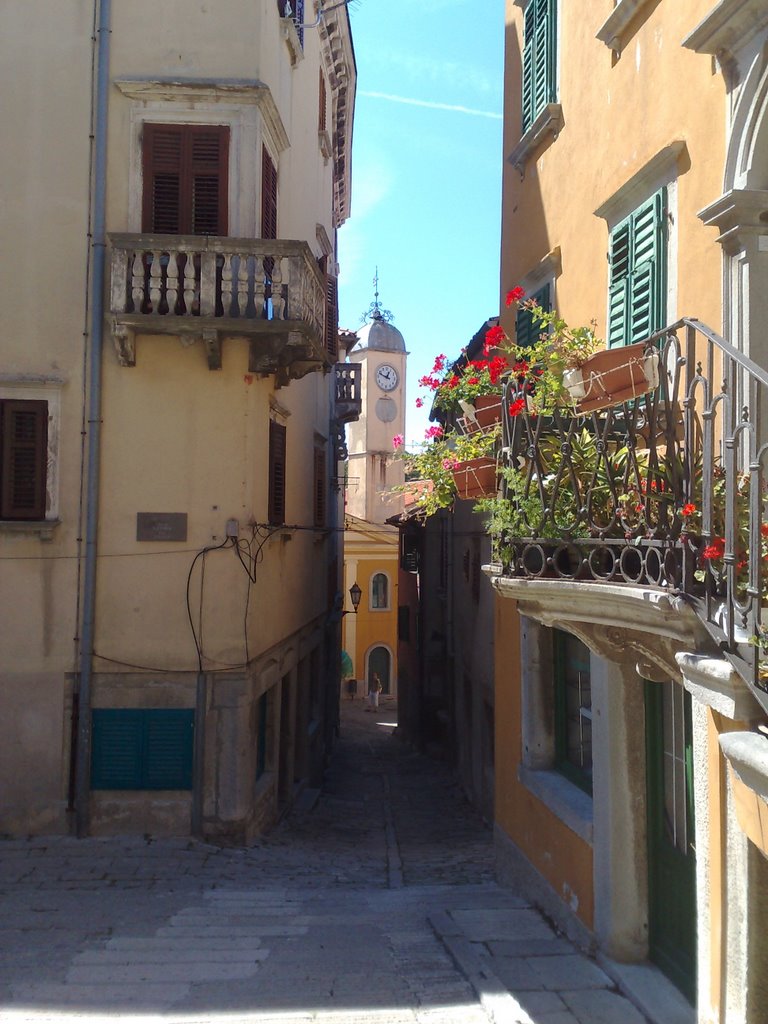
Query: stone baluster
{"x":207,"y":284}
{"x":137,"y":282}
{"x":278,"y":302}
{"x":155,"y":281}
{"x":189,"y":283}
{"x":242,"y":284}
{"x":259,"y":275}
{"x":172,"y":282}
{"x":226,"y":283}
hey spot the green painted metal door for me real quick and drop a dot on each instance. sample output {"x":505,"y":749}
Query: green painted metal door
{"x":671,"y":857}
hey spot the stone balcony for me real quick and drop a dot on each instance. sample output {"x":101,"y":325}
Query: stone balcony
{"x":203,"y":288}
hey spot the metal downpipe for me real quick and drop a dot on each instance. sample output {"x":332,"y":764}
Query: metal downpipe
{"x":98,"y":246}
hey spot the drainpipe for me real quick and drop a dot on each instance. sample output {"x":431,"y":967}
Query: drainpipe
{"x":98,"y":262}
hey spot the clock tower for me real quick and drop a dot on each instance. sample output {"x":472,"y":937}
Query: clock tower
{"x":373,"y":468}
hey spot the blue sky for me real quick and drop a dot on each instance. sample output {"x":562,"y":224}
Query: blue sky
{"x":426,"y":175}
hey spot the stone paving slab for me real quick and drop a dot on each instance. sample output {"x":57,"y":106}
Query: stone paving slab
{"x":376,"y":905}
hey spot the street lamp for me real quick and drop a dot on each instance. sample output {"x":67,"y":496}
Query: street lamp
{"x":355,"y":594}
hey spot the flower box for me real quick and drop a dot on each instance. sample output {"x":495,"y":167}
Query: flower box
{"x":475,"y":478}
{"x":613,"y":376}
{"x":482,"y":414}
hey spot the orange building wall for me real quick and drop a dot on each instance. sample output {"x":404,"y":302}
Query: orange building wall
{"x":557,"y":853}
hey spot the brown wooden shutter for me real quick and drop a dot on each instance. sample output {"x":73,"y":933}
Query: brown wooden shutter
{"x":186,"y":176}
{"x":323,"y":102}
{"x":331,"y":316}
{"x":277,"y":466}
{"x":319,"y":477}
{"x":23,"y":458}
{"x":268,"y":196}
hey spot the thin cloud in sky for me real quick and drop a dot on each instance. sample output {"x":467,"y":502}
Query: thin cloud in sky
{"x":430,"y":104}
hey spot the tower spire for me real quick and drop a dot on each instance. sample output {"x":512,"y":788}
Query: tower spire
{"x":375,"y":311}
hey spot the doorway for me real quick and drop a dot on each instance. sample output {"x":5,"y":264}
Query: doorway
{"x":380,"y":662}
{"x":671,"y":856}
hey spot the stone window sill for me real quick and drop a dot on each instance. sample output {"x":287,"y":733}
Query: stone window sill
{"x":614,"y":26}
{"x":324,"y":141}
{"x":547,"y":125}
{"x":567,"y":802}
{"x":44,"y":528}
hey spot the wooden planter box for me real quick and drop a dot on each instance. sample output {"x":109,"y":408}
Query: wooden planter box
{"x":475,"y":478}
{"x":483,"y":414}
{"x":613,"y":376}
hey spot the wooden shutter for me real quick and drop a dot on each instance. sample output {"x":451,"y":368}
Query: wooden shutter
{"x":23,"y":458}
{"x":323,"y":105}
{"x":142,"y":748}
{"x":320,"y":484}
{"x":539,"y":59}
{"x":526,"y":331}
{"x":268,"y":195}
{"x":277,"y":467}
{"x":637,"y":288}
{"x":331,"y":316}
{"x":186,"y":176}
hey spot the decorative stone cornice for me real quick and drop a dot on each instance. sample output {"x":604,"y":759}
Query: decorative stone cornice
{"x":231,"y":91}
{"x":738,"y":213}
{"x":747,"y":753}
{"x":547,"y":125}
{"x":716,"y":684}
{"x":339,"y":58}
{"x":661,"y":166}
{"x":620,"y":623}
{"x":728,"y":26}
{"x":548,"y":267}
{"x":614,"y":26}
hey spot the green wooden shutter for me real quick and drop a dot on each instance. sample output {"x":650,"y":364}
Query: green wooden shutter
{"x":142,"y":748}
{"x":23,"y":458}
{"x":539,"y":58}
{"x":168,"y":734}
{"x":526,"y":331}
{"x":637,"y":288}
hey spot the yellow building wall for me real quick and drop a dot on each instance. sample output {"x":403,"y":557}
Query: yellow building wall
{"x":370,"y":627}
{"x":557,"y":853}
{"x":618,"y":115}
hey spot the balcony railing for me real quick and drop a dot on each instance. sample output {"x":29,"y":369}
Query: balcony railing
{"x":666,"y":491}
{"x":269,"y":291}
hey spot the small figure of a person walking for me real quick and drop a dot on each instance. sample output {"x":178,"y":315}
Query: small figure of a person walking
{"x":374,"y":689}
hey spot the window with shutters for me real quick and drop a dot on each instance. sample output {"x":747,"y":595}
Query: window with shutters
{"x":323,"y":105}
{"x":331,"y":316}
{"x":539,"y":58}
{"x":277,"y":469}
{"x":525,"y":329}
{"x":638,"y":273}
{"x":268,"y":195}
{"x":186,"y":179}
{"x":142,"y":748}
{"x":319,"y":488}
{"x":23,"y":458}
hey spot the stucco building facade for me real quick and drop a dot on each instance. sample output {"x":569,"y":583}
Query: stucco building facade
{"x":171,"y":568}
{"x":630,"y":761}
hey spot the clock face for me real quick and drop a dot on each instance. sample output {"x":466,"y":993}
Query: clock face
{"x":386,"y":377}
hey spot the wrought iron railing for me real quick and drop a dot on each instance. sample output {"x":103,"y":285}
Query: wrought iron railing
{"x":665,"y":491}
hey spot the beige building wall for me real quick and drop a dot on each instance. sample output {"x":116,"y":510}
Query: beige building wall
{"x":176,"y":436}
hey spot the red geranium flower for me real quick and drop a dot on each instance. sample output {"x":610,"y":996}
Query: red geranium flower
{"x":515,"y":295}
{"x":494,"y":336}
{"x":516,"y":407}
{"x":688,"y":510}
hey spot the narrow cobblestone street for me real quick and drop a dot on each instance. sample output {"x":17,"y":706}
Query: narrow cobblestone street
{"x":373,"y":903}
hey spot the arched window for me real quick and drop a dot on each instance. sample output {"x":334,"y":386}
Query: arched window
{"x":380,"y":591}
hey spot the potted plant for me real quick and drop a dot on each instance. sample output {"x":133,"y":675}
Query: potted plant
{"x":468,"y":390}
{"x":449,"y":465}
{"x":570,"y":366}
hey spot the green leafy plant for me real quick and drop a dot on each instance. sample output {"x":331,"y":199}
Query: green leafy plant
{"x":429,"y":471}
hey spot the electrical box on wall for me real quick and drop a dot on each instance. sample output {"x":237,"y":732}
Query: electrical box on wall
{"x":233,"y":528}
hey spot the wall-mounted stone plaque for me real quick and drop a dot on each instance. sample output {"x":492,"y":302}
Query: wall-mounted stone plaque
{"x":161,"y":526}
